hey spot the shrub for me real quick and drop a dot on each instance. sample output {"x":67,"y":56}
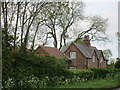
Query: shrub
{"x":117,"y":64}
{"x":84,"y":74}
{"x":33,"y":71}
{"x":103,"y":72}
{"x":38,"y":66}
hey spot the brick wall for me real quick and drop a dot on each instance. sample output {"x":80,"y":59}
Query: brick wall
{"x":102,"y":64}
{"x":80,"y":58}
{"x":92,"y":64}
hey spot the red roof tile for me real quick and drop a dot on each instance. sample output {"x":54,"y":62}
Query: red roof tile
{"x":52,"y":51}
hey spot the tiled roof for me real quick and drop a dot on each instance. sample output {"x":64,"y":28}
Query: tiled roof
{"x":63,"y":49}
{"x":85,"y":49}
{"x":53,"y":51}
{"x":98,"y":52}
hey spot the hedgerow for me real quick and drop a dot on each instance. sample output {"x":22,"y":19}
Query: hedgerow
{"x":46,"y":71}
{"x":103,"y":72}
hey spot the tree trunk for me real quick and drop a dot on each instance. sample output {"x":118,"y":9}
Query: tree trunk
{"x":55,"y":38}
{"x":16,"y":25}
{"x":4,"y":8}
{"x":61,"y":41}
{"x":64,"y":41}
{"x":33,"y":42}
{"x":22,"y":27}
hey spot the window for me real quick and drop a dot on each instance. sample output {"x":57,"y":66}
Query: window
{"x":93,"y":58}
{"x":73,"y":55}
{"x":72,"y":68}
{"x":101,"y":59}
{"x":85,"y":62}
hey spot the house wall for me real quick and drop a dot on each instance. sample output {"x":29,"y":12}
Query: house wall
{"x":80,"y":58}
{"x":92,"y":64}
{"x":102,"y":64}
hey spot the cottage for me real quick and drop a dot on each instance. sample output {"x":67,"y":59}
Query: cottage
{"x":84,"y":56}
{"x":79,"y":55}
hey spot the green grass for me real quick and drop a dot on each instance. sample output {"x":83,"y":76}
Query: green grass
{"x":98,"y":83}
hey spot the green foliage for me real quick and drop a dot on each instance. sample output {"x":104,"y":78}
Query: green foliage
{"x":31,"y":71}
{"x":80,"y":40}
{"x":112,"y":65}
{"x":108,"y":82}
{"x":117,"y":65}
{"x":20,"y":67}
{"x":103,"y":72}
{"x":107,"y":53}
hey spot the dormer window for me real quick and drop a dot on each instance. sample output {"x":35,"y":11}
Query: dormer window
{"x":72,"y":55}
{"x":93,"y":58}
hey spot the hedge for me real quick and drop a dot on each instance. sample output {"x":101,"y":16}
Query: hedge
{"x":103,"y":72}
{"x":45,"y":71}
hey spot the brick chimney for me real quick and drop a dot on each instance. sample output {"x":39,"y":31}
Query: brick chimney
{"x":86,"y":40}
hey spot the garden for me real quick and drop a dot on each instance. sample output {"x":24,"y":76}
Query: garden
{"x":25,"y":25}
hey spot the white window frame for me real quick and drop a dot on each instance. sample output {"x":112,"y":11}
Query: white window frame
{"x":93,"y":58}
{"x":72,"y":55}
{"x":72,"y":68}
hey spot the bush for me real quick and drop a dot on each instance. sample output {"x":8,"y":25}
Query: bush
{"x":39,"y":66}
{"x":103,"y":72}
{"x":84,"y":74}
{"x":33,"y":71}
{"x":117,"y":64}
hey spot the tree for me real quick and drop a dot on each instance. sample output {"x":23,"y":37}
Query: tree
{"x":118,"y":36}
{"x":61,"y":17}
{"x":19,"y":27}
{"x":96,"y":29}
{"x":47,"y":21}
{"x":71,"y":15}
{"x":117,"y":64}
{"x":107,"y":53}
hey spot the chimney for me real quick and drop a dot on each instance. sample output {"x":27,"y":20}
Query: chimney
{"x":86,"y":40}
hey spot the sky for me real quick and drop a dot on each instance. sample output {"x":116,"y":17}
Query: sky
{"x":105,"y":9}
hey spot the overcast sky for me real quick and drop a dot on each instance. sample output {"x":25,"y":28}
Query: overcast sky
{"x":106,"y":9}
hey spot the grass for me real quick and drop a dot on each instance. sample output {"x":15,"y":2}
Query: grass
{"x":110,"y":82}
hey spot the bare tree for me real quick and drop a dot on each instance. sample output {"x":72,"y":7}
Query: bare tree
{"x":17,"y":18}
{"x":5,"y":20}
{"x":71,"y":15}
{"x":52,"y":12}
{"x":15,"y":32}
{"x":47,"y":21}
{"x":60,"y":16}
{"x":96,"y":29}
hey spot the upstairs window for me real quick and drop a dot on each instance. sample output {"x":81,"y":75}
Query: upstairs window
{"x":72,"y":55}
{"x":101,"y":59}
{"x":93,"y":58}
{"x":85,"y":62}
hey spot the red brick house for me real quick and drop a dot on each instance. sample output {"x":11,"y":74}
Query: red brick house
{"x":79,"y":55}
{"x":84,"y":56}
{"x":45,"y":50}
